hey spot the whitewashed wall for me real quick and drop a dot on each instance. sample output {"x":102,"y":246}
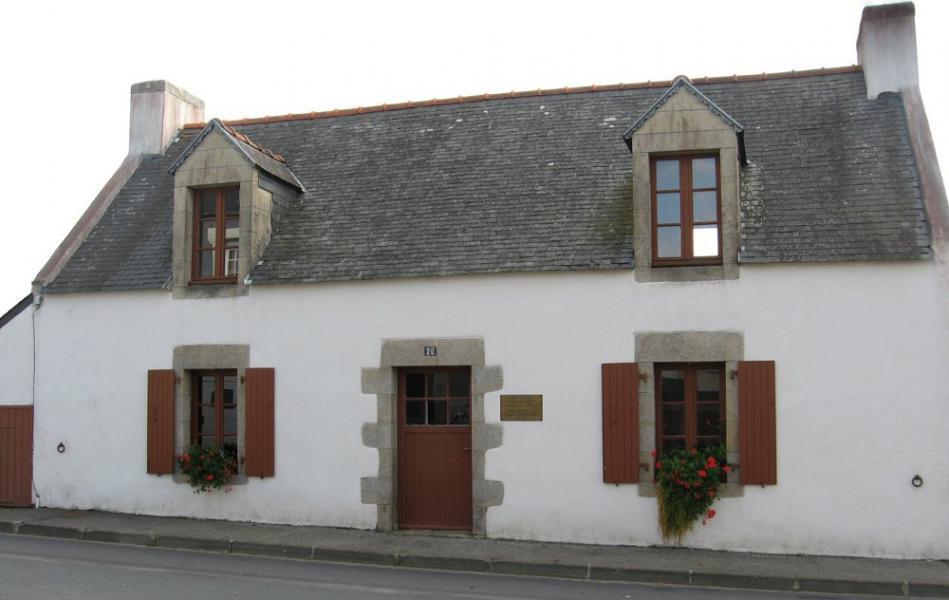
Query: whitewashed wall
{"x":863,"y":399}
{"x":16,"y":360}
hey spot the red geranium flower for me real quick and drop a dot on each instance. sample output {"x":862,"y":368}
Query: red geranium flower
{"x":712,"y":463}
{"x":658,"y":465}
{"x":711,"y":513}
{"x":702,"y":473}
{"x":209,"y":477}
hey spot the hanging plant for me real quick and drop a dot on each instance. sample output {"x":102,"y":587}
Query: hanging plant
{"x":207,"y":469}
{"x":688,"y":483}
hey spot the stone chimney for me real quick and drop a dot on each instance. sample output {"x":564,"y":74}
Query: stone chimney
{"x":886,"y":48}
{"x":158,"y":110}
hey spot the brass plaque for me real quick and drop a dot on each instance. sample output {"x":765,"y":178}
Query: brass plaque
{"x":522,"y":408}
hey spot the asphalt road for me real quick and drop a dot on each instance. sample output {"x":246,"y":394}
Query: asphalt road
{"x":38,"y":568}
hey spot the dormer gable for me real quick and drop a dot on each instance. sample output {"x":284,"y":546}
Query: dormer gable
{"x":264,"y":158}
{"x":224,"y":210}
{"x":683,"y":96}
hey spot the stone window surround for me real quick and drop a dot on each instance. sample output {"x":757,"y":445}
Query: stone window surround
{"x":207,"y":357}
{"x":653,"y":347}
{"x":696,"y":131}
{"x":382,"y":381}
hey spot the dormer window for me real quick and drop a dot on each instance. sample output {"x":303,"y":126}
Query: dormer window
{"x":216,"y":235}
{"x":686,"y":210}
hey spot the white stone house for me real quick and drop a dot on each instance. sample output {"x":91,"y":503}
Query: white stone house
{"x":348,"y":300}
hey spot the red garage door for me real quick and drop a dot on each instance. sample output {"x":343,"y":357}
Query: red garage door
{"x":16,"y":455}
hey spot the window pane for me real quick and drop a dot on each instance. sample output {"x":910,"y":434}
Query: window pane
{"x":673,"y":386}
{"x":437,"y":412}
{"x":704,"y":207}
{"x":230,"y":419}
{"x":206,"y":389}
{"x":709,"y":442}
{"x":206,"y":422}
{"x":458,"y":412}
{"x":669,"y":242}
{"x":673,"y":419}
{"x":230,"y":446}
{"x":208,"y":203}
{"x":232,"y":202}
{"x":231,"y":231}
{"x":415,"y":385}
{"x":705,"y":240}
{"x":208,"y":234}
{"x":673,"y":444}
{"x":415,"y":412}
{"x":230,"y":389}
{"x":709,"y":420}
{"x":230,"y":262}
{"x":703,"y":173}
{"x":459,"y":384}
{"x":667,"y":208}
{"x":667,"y":174}
{"x":208,"y":442}
{"x":438,"y":385}
{"x":207,"y":263}
{"x":708,"y":383}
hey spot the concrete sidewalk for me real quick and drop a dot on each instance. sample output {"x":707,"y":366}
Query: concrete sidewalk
{"x":464,"y":553}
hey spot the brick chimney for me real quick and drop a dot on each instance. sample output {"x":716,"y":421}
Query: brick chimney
{"x":886,"y":48}
{"x":158,"y":110}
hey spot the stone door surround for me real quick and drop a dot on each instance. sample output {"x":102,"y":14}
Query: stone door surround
{"x":382,"y":435}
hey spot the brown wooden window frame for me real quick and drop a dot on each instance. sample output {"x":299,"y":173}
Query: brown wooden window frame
{"x":448,"y":398}
{"x":220,"y":249}
{"x":685,"y":223}
{"x":690,"y":401}
{"x":196,"y":405}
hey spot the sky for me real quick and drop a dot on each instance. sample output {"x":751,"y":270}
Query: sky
{"x":67,"y":69}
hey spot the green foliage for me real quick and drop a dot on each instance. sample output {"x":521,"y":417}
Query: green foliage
{"x":688,"y":483}
{"x":207,"y":469}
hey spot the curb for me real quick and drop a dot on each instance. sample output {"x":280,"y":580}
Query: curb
{"x":505,"y":567}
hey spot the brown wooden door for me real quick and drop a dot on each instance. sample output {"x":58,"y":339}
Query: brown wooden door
{"x":16,"y":455}
{"x":435,"y":448}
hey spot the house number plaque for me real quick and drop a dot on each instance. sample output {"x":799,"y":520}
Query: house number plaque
{"x":431,"y":350}
{"x":522,"y":408}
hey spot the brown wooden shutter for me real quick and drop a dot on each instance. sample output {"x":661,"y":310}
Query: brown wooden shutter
{"x":756,"y":422}
{"x":16,"y":455}
{"x":161,"y":422}
{"x":620,"y":423}
{"x":259,"y":427}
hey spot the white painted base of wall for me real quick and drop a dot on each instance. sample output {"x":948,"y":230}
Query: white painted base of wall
{"x":863,"y":399}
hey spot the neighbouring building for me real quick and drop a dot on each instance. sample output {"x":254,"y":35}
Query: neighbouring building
{"x":485,"y":313}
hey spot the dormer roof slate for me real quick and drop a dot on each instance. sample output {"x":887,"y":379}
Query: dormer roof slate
{"x":539,"y":183}
{"x":266,"y":159}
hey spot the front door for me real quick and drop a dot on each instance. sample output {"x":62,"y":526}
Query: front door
{"x":435,"y":448}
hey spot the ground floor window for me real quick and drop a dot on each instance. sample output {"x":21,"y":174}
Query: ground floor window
{"x":690,"y":406}
{"x":214,"y":410}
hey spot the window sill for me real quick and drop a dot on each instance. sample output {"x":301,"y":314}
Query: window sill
{"x":216,"y":281}
{"x":728,"y":490}
{"x":686,"y":262}
{"x":236,"y":480}
{"x":204,"y":288}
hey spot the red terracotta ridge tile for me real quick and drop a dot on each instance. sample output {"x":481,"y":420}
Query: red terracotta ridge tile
{"x":343,"y":112}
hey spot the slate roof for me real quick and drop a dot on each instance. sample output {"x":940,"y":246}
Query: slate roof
{"x":539,"y":183}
